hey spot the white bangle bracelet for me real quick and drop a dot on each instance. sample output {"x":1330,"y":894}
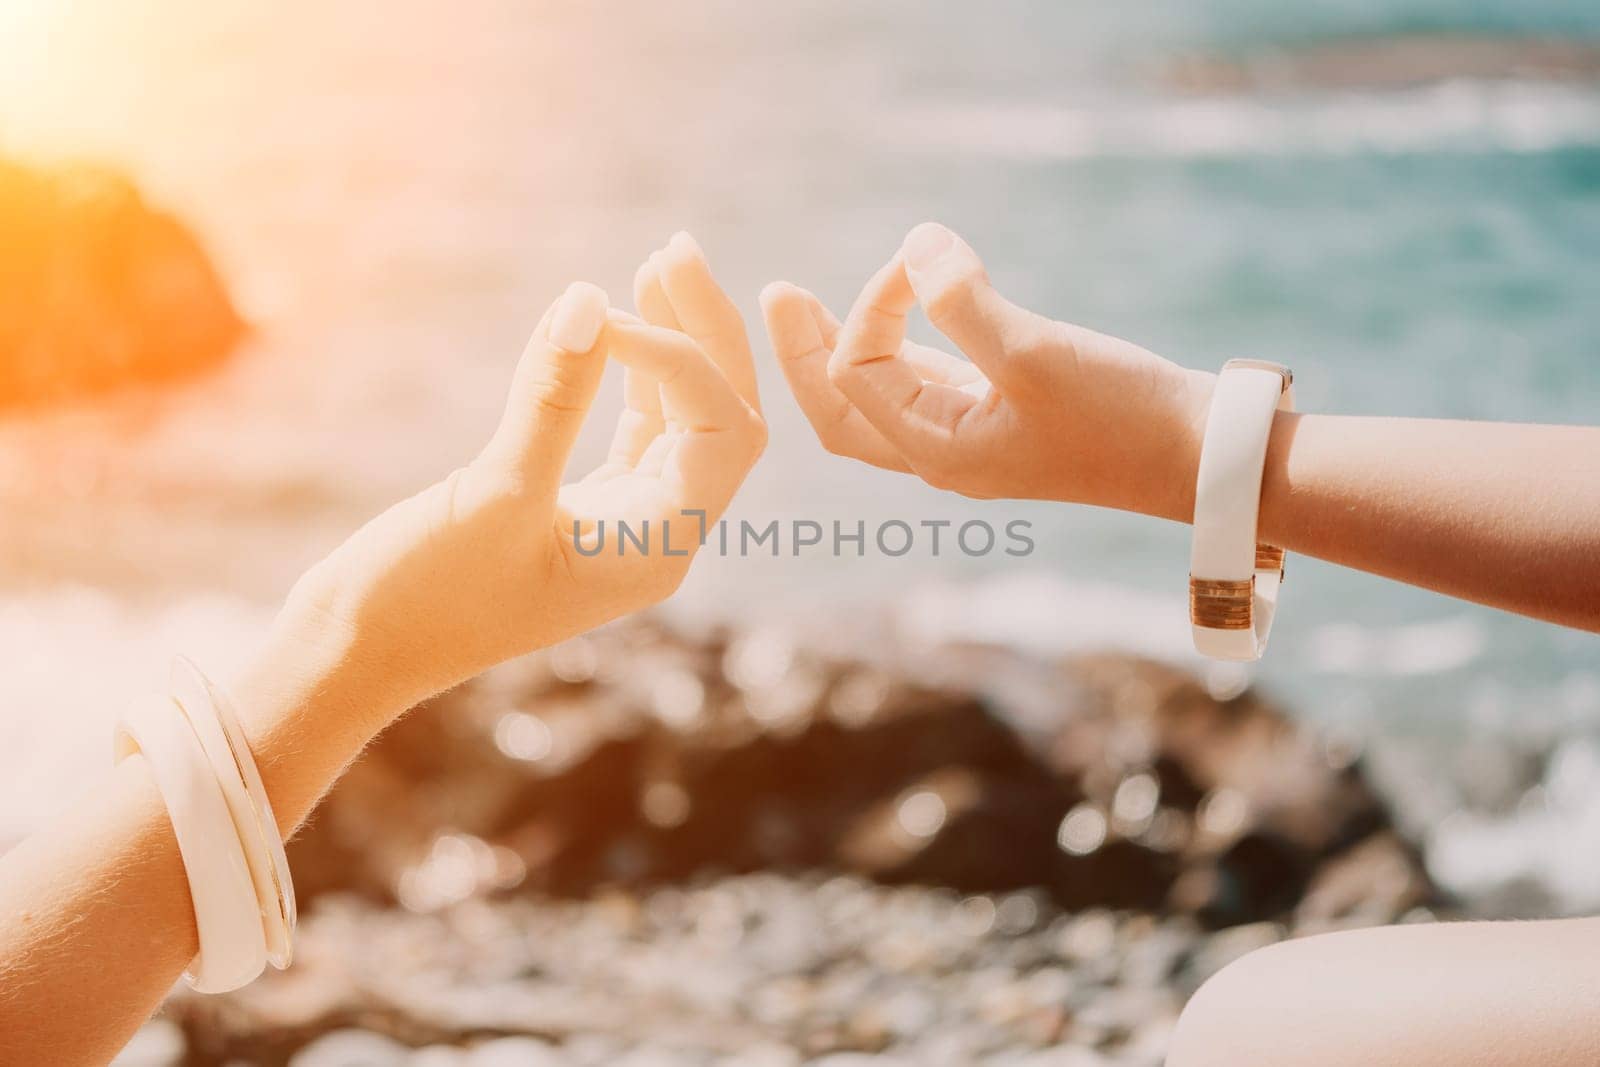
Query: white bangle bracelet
{"x":1233,"y":579}
{"x":232,"y":946}
{"x":235,"y":769}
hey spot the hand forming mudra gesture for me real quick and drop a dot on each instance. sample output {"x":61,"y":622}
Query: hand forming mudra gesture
{"x":485,"y":565}
{"x":1044,"y":410}
{"x":477,"y":568}
{"x":1051,"y":410}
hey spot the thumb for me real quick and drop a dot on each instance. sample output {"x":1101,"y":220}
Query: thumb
{"x":555,"y":383}
{"x":954,"y":291}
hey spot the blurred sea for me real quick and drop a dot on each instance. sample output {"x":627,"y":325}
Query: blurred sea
{"x":396,"y":190}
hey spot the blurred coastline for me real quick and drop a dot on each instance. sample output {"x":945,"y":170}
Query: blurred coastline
{"x":1401,"y":198}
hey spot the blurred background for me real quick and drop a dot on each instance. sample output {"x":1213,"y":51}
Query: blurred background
{"x":269,"y":268}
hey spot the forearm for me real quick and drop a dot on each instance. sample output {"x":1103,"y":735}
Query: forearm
{"x":96,"y":922}
{"x":310,"y":700}
{"x":1503,"y":514}
{"x":95,"y":917}
{"x":96,"y":926}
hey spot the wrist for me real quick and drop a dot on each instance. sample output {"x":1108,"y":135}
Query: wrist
{"x":308,"y":703}
{"x":1195,"y":409}
{"x":1174,"y":459}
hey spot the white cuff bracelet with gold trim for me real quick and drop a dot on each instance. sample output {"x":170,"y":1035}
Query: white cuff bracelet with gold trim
{"x":1234,"y":579}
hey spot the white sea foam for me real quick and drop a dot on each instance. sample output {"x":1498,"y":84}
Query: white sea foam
{"x":1047,"y":614}
{"x":1418,"y":648}
{"x":1547,"y":841}
{"x":1464,"y":116}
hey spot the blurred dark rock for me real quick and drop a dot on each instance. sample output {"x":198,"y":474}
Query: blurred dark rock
{"x":644,"y":846}
{"x":639,"y":756}
{"x":98,"y":289}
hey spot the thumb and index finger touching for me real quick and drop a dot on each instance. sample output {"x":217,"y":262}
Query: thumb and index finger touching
{"x":884,"y":378}
{"x":561,"y":368}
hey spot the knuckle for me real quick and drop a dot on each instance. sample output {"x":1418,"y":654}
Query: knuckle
{"x":454,"y":500}
{"x":1064,"y":340}
{"x":834,"y":437}
{"x":940,"y":472}
{"x":643,"y":279}
{"x":957,"y":301}
{"x":724,"y":325}
{"x":497,"y":481}
{"x":315,"y":591}
{"x":558,"y":385}
{"x":1036,"y":341}
{"x":839,"y":370}
{"x":832,"y":443}
{"x":758,"y":433}
{"x":556,"y":399}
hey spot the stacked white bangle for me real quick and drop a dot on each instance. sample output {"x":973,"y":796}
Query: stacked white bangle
{"x":232,"y":849}
{"x":233,"y":947}
{"x":1234,"y":579}
{"x":228,"y":751}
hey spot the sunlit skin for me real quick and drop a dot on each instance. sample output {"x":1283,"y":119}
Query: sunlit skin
{"x":1507,"y":515}
{"x":95,"y":920}
{"x":1065,"y":414}
{"x":1501,"y":513}
{"x":484,"y":565}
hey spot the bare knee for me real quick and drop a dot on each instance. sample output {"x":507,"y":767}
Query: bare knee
{"x":1251,"y":1011}
{"x":1214,"y":1015}
{"x":1431,"y":995}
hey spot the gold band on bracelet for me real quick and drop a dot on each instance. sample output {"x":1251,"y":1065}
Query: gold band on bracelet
{"x":1221,"y":604}
{"x":1269,"y":558}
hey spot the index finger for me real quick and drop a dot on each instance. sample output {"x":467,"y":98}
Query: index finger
{"x":694,"y":394}
{"x":917,"y":416}
{"x":707,"y":314}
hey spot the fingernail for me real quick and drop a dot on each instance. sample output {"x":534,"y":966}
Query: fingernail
{"x":683,"y":240}
{"x":925,"y":244}
{"x":578,"y":317}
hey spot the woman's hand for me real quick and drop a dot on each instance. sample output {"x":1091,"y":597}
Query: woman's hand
{"x":478,"y":568}
{"x":1494,"y":512}
{"x":500,"y":557}
{"x":1044,"y":410}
